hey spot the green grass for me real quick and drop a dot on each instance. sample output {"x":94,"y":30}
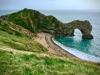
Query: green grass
{"x":24,"y":18}
{"x":20,"y":43}
{"x":37,"y":64}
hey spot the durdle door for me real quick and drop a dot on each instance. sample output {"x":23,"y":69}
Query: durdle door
{"x":36,"y":22}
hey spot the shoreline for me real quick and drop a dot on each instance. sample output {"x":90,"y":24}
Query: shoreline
{"x":79,"y":54}
{"x":61,"y":50}
{"x":46,"y":40}
{"x":53,"y":47}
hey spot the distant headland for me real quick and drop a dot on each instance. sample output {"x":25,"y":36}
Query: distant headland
{"x":35,"y":22}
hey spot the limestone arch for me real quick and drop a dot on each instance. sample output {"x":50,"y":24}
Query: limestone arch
{"x":84,"y":27}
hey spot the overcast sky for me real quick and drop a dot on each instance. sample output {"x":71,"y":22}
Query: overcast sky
{"x":51,"y":4}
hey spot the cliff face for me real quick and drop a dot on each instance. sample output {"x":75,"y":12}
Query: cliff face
{"x":34,"y":21}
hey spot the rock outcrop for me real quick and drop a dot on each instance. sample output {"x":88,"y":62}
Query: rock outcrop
{"x":84,"y":26}
{"x":35,"y":22}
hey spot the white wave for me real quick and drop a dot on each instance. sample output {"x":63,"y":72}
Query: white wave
{"x":77,"y":53}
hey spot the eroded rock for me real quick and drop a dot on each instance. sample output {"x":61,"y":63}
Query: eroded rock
{"x":84,"y":26}
{"x":35,"y":22}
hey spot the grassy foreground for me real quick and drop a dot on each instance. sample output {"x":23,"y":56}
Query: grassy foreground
{"x":40,"y":62}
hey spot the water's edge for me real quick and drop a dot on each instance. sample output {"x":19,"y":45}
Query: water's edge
{"x":77,"y":53}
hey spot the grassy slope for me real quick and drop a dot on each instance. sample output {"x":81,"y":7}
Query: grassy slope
{"x":38,"y":63}
{"x":25,"y":18}
{"x":20,"y":43}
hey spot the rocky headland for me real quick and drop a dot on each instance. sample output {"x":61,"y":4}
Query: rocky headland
{"x":35,"y":22}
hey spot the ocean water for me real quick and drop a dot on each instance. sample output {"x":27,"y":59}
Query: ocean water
{"x":4,"y":12}
{"x":82,"y":48}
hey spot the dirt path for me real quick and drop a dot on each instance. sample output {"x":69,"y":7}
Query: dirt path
{"x":22,"y":52}
{"x":14,"y":50}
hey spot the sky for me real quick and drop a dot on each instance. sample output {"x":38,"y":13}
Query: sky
{"x":50,"y":4}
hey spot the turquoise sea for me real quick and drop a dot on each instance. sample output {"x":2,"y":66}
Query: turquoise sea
{"x":82,"y":48}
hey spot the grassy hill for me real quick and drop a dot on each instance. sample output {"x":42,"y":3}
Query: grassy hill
{"x":34,"y":21}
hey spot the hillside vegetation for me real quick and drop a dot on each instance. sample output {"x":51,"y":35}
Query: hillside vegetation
{"x":33,"y":20}
{"x":21,"y":55}
{"x":44,"y":64}
{"x":20,"y":42}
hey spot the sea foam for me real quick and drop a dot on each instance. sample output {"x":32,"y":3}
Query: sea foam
{"x":77,"y":53}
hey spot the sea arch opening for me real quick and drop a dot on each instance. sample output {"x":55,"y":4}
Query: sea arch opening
{"x":78,"y":33}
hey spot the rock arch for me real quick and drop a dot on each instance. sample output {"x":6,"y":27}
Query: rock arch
{"x":84,"y":26}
